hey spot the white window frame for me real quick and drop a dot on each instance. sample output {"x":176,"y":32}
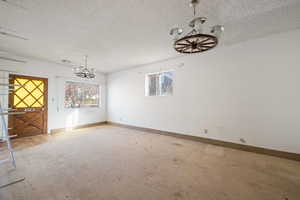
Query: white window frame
{"x":159,"y":94}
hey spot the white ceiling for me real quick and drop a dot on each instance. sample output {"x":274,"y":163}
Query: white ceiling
{"x":126,"y":33}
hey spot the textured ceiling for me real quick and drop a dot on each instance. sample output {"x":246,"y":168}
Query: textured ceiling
{"x":122,"y":34}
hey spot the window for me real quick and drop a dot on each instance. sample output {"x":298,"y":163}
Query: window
{"x":79,"y":95}
{"x":159,"y":84}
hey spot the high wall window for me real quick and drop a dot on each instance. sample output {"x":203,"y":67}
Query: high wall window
{"x":159,"y":84}
{"x":79,"y":95}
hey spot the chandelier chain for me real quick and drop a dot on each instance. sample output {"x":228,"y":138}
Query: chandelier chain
{"x":194,"y":10}
{"x":86,"y":61}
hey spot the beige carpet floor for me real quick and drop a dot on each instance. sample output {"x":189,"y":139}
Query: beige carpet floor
{"x":114,"y":163}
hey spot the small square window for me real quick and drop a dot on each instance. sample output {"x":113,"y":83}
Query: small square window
{"x":159,"y":84}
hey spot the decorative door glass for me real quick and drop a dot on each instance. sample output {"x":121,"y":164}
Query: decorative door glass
{"x":28,"y":93}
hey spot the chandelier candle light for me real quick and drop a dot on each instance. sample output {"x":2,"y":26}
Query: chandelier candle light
{"x":84,"y":71}
{"x":196,"y":41}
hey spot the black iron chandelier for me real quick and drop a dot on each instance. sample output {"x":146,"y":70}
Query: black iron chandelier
{"x":84,"y":71}
{"x":196,"y":41}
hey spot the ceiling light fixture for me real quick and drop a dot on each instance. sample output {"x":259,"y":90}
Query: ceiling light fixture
{"x":196,"y":41}
{"x":84,"y":71}
{"x":9,"y":33}
{"x":12,"y":59}
{"x":14,"y":4}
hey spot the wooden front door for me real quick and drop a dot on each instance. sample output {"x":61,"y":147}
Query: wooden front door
{"x":30,"y":95}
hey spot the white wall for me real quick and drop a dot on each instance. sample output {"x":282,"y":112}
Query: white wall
{"x":249,"y":90}
{"x":58,"y":116}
